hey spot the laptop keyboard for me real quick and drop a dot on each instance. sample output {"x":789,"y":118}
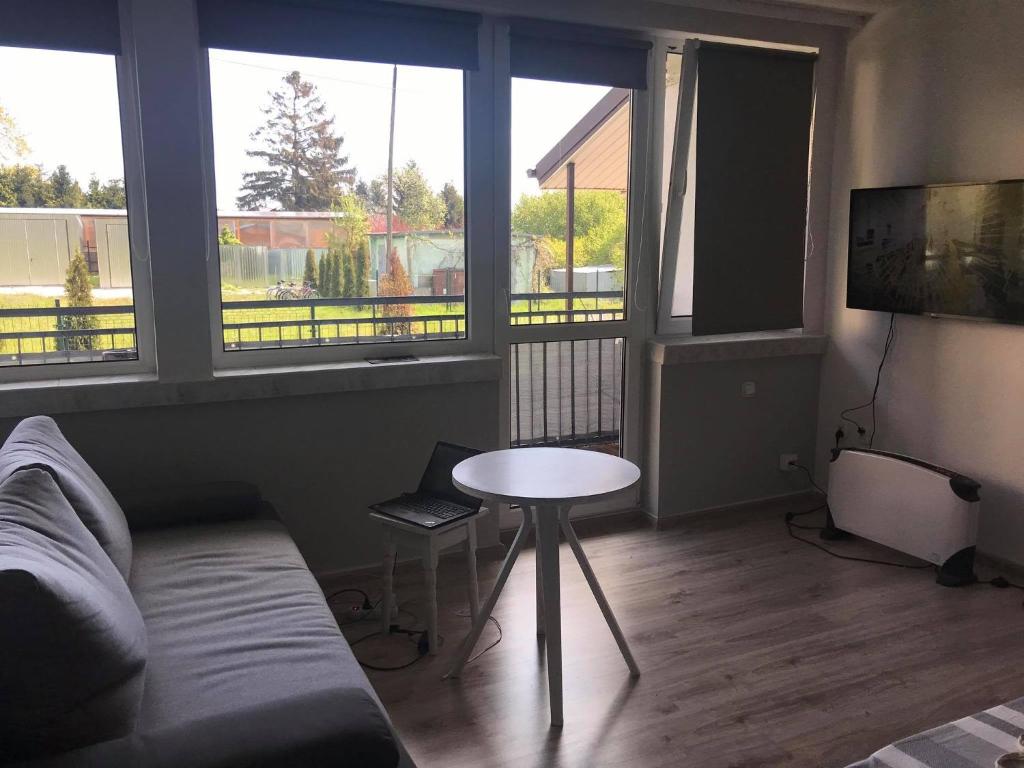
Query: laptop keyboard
{"x":440,"y":509}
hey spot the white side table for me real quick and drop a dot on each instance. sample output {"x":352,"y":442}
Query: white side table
{"x":546,"y":483}
{"x":428,"y":542}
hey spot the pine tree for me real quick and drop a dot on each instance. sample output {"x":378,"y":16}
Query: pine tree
{"x":454,"y":207}
{"x":361,"y":271}
{"x":395,"y":283}
{"x":304,"y":168}
{"x":310,"y":274}
{"x":65,"y":190}
{"x":321,"y":283}
{"x":78,"y":293}
{"x":348,"y":277}
{"x":334,"y":273}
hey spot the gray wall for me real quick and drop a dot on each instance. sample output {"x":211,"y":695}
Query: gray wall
{"x":320,"y":459}
{"x":934,"y":93}
{"x":712,"y":447}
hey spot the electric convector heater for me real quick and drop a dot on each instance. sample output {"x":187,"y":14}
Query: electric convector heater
{"x":906,"y":504}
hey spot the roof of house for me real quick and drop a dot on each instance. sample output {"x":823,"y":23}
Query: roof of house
{"x":598,"y":145}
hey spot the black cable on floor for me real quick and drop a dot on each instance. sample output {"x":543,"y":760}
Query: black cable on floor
{"x":789,"y":529}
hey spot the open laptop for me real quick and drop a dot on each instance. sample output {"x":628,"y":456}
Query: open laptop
{"x":437,"y":501}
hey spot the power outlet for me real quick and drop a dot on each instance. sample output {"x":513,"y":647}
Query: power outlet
{"x":787,"y":460}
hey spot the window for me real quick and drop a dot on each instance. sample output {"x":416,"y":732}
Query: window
{"x":570,"y":193}
{"x":67,"y":288}
{"x":682,"y":289}
{"x":340,"y":189}
{"x":735,"y":235}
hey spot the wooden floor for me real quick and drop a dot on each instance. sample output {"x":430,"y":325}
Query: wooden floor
{"x":755,"y":650}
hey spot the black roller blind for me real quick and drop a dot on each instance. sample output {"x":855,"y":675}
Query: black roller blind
{"x":91,"y":26}
{"x":754,"y":110}
{"x":577,"y":54}
{"x":361,"y":30}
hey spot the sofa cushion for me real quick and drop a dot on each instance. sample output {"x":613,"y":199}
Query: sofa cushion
{"x":72,"y":641}
{"x":245,"y":657}
{"x":38,"y":442}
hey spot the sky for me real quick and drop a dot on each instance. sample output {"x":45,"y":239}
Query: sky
{"x":67,"y":109}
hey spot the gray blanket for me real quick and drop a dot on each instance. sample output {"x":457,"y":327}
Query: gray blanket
{"x":971,"y":742}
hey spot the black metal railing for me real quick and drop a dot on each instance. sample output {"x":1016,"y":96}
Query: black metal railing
{"x":78,"y":334}
{"x":58,"y":334}
{"x":567,"y":393}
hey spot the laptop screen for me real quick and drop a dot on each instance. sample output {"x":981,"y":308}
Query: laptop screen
{"x":437,"y":479}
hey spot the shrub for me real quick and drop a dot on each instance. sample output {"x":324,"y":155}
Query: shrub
{"x":78,"y":293}
{"x":395,"y":283}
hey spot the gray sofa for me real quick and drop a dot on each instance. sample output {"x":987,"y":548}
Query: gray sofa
{"x":234,"y":659}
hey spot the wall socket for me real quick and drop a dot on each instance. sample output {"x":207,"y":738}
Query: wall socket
{"x":786,"y":461}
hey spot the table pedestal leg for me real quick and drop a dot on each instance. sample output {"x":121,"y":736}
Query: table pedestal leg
{"x":387,"y":604}
{"x":588,"y":572}
{"x":484,"y":614}
{"x":547,"y":546}
{"x":540,"y":583}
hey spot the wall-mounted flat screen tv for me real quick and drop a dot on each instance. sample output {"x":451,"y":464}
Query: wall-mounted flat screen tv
{"x":948,"y":249}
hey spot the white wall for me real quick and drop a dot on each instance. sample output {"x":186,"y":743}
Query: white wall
{"x":934,"y":93}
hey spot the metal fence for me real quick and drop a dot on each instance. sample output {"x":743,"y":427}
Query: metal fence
{"x":75,"y":334}
{"x":567,"y":393}
{"x":58,"y":334}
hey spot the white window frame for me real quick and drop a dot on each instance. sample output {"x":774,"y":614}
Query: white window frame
{"x":478,"y":162}
{"x":138,"y":239}
{"x":667,"y":323}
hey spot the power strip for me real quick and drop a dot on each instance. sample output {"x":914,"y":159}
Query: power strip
{"x":359,"y":613}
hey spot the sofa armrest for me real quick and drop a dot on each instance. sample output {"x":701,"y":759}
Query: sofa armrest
{"x":190,"y":503}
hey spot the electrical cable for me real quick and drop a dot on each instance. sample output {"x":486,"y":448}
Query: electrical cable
{"x":810,"y":478}
{"x":889,"y":338}
{"x":497,"y":624}
{"x":789,"y":529}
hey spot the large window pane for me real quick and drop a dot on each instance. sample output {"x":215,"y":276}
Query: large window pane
{"x":570,"y":184}
{"x":312,"y":249}
{"x":568,"y":393}
{"x":65,"y":255}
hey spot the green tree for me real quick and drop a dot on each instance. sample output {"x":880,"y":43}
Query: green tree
{"x":361,"y":270}
{"x":395,"y":282}
{"x":415,"y":203}
{"x":334,"y":273}
{"x":600,"y":225}
{"x":65,"y":192}
{"x":109,"y":196}
{"x":24,"y":186}
{"x":348,"y":278}
{"x":304,"y":169}
{"x":454,"y":207}
{"x":78,"y":293}
{"x":310,"y":274}
{"x":12,"y":142}
{"x":227,"y":237}
{"x":321,"y":282}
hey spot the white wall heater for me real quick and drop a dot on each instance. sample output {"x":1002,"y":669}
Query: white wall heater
{"x":906,"y":504}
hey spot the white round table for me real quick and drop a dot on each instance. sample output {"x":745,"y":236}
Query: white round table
{"x":546,"y":483}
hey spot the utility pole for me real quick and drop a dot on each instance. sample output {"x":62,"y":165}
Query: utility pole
{"x":391,"y":160}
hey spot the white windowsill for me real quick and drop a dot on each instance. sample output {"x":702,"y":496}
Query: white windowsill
{"x":677,"y":350}
{"x":96,"y":393}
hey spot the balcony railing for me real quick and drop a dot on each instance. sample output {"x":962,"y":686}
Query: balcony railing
{"x":56,"y":334}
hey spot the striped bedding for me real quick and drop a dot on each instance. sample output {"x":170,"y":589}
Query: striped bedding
{"x":972,"y":742}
